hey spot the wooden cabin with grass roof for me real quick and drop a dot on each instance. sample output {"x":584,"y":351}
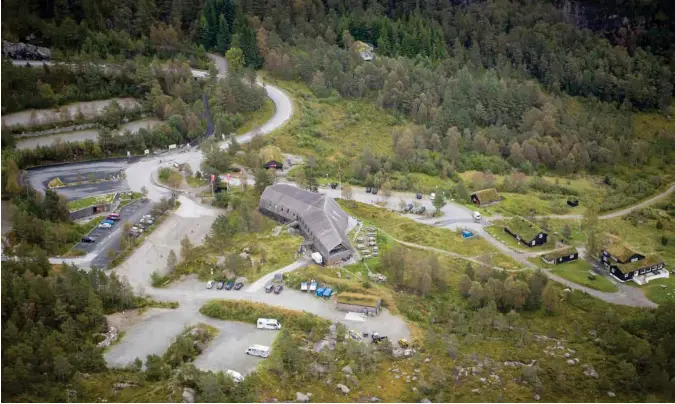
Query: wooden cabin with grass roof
{"x":486,"y":197}
{"x":625,"y":263}
{"x":560,"y":256}
{"x":526,"y":232}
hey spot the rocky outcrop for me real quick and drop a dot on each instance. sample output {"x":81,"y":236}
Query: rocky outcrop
{"x":24,"y":51}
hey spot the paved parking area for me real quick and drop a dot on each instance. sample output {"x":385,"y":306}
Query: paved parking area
{"x":110,"y":238}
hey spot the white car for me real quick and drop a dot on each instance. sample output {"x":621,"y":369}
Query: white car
{"x":476,"y":216}
{"x":209,"y":284}
{"x":258,"y":350}
{"x":104,"y":225}
{"x":236,"y":376}
{"x":432,"y":196}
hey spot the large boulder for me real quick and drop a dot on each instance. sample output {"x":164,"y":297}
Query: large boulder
{"x":343,"y":388}
{"x":301,"y":398}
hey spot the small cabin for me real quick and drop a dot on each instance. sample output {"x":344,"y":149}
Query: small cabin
{"x":486,"y":197}
{"x":560,"y":256}
{"x":626,"y":264}
{"x":274,"y":164}
{"x":526,"y":232}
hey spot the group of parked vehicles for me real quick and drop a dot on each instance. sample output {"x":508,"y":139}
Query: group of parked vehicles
{"x":227,"y":285}
{"x":109,"y":221}
{"x":145,"y":222}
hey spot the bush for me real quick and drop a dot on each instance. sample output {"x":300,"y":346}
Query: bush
{"x":592,"y":277}
{"x":250,"y":312}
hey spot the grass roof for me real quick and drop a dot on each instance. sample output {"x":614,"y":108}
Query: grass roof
{"x":358,"y":298}
{"x":487,"y":195}
{"x":648,"y":261}
{"x":616,"y":247}
{"x":524,"y":228}
{"x":90,"y":201}
{"x":563,"y":252}
{"x":271,"y":152}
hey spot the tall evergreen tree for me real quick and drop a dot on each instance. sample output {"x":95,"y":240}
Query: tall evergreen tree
{"x":224,"y":35}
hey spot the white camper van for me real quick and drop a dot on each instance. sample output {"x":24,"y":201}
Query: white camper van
{"x":317,"y":258}
{"x":236,"y":376}
{"x":258,"y":350}
{"x":268,"y":324}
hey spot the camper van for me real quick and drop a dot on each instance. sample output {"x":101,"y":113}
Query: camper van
{"x":268,"y":324}
{"x":236,"y":376}
{"x":317,"y":258}
{"x":258,"y":350}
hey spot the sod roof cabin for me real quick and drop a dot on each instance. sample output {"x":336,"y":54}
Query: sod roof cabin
{"x":560,"y":256}
{"x":271,"y":157}
{"x":625,"y":263}
{"x":619,"y":251}
{"x":486,"y":197}
{"x":526,"y":232}
{"x":359,"y":303}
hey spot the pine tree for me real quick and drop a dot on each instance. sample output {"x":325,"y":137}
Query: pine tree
{"x":224,"y":35}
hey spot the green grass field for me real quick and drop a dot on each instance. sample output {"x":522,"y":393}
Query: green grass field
{"x":256,"y":118}
{"x":655,"y":291}
{"x":577,"y":272}
{"x":331,"y":127}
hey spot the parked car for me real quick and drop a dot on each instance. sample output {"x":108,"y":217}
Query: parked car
{"x":110,"y":222}
{"x":258,"y":350}
{"x":209,"y":284}
{"x":236,"y":376}
{"x":409,"y":208}
{"x":220,"y":285}
{"x":368,"y":190}
{"x":477,"y":216}
{"x":278,"y":289}
{"x":238,"y":285}
{"x":104,"y":225}
{"x":268,"y":324}
{"x":88,"y":239}
{"x":113,"y":218}
{"x":334,"y":185}
{"x":117,"y":215}
{"x":373,"y":191}
{"x":269,"y":288}
{"x":229,"y":285}
{"x":421,"y":210}
{"x":432,"y":196}
{"x":419,"y":195}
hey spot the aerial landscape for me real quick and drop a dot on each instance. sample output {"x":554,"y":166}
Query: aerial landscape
{"x":338,"y":201}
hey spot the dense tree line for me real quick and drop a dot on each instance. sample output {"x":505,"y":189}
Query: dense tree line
{"x":49,"y":324}
{"x":25,"y":88}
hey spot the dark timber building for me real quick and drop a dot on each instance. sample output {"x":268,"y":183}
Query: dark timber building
{"x":319,"y":218}
{"x":560,"y":256}
{"x":526,"y":232}
{"x":626,"y":264}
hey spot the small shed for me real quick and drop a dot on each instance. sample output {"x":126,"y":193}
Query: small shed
{"x":274,"y":164}
{"x":358,"y":303}
{"x":560,"y":256}
{"x":486,"y":197}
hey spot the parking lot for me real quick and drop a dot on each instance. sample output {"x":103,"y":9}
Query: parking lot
{"x":110,"y":238}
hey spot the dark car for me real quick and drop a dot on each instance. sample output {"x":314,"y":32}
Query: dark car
{"x":238,"y":285}
{"x":229,"y":285}
{"x":88,"y":239}
{"x":368,"y":190}
{"x":409,"y":208}
{"x":278,"y":289}
{"x":373,"y":191}
{"x":334,"y":185}
{"x":220,"y":285}
{"x":269,"y":288}
{"x":419,"y":195}
{"x":422,"y":209}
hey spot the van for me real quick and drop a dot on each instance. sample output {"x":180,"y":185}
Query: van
{"x":258,"y":350}
{"x":236,"y":376}
{"x":476,"y":216}
{"x":268,"y":324}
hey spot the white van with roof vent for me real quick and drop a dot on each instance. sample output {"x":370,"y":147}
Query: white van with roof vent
{"x":258,"y":350}
{"x":268,"y":324}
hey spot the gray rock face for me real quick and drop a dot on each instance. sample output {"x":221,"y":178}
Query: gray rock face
{"x":24,"y":51}
{"x":318,"y":369}
{"x":611,"y":394}
{"x":343,"y":388}
{"x":375,"y":399}
{"x":188,"y":395}
{"x":425,"y":400}
{"x":301,"y":398}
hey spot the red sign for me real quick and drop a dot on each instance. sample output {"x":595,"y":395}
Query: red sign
{"x":213,"y":178}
